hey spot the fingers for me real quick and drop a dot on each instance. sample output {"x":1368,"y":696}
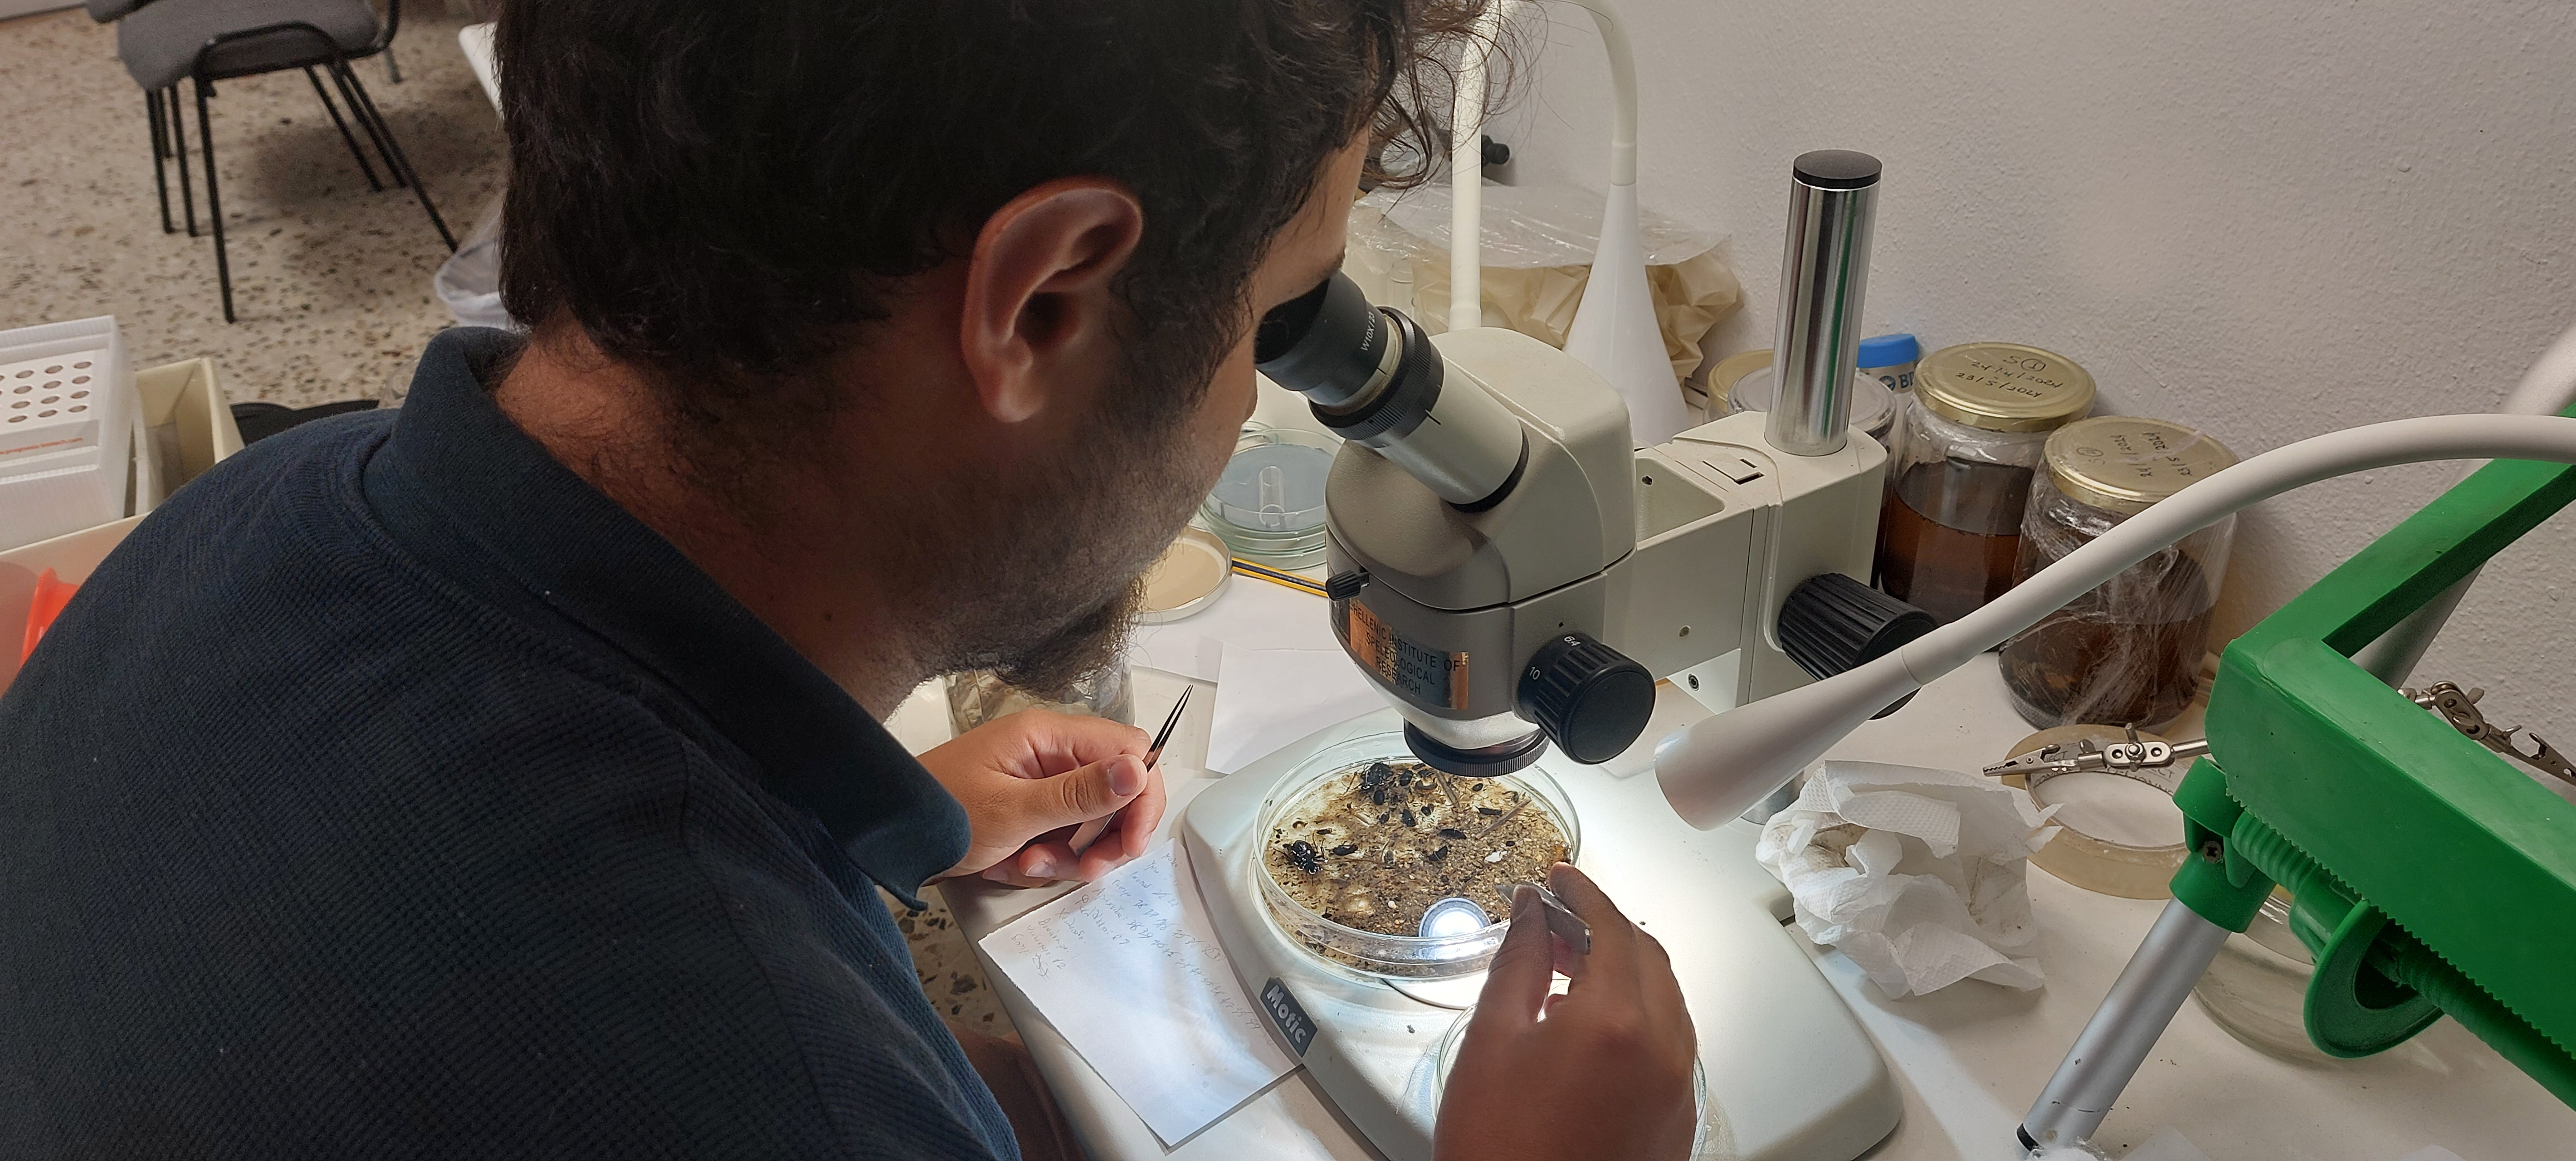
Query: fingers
{"x":1517,"y":984}
{"x":1138,"y":822}
{"x":1059,"y":742}
{"x":1035,"y":806}
{"x":1625,"y":956}
{"x":1614,"y":939}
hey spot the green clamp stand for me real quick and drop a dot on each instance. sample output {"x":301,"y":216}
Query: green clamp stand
{"x":2428,"y":876}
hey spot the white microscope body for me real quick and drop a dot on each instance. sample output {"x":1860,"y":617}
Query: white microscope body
{"x":1678,"y":557}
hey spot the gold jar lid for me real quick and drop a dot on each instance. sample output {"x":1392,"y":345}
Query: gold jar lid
{"x":2003,"y":387}
{"x":1731,"y":370}
{"x":2122,"y":463}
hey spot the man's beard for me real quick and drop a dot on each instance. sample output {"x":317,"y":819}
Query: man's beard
{"x":1089,"y":644}
{"x":1042,"y":582}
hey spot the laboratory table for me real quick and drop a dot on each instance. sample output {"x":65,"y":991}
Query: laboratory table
{"x":1968,"y":1058}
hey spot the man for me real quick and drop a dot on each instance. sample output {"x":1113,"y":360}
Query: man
{"x":502,"y":776}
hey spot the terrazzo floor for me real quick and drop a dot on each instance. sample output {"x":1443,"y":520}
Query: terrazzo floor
{"x":331,"y":281}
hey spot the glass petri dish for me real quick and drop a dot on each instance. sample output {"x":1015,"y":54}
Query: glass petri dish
{"x":1269,"y":504}
{"x":1708,"y":1141}
{"x":1361,"y":841}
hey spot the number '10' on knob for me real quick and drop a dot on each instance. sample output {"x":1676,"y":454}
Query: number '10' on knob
{"x":1590,"y":698}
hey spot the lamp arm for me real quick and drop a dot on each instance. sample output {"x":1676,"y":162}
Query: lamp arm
{"x":1466,"y":141}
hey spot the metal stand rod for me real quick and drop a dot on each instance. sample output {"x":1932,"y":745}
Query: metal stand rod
{"x":2392,"y":657}
{"x":2124,"y":1029}
{"x":1824,"y":273}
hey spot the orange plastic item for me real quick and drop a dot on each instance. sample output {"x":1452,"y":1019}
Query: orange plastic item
{"x":51,"y":596}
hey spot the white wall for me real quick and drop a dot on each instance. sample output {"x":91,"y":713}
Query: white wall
{"x":2262,"y":220}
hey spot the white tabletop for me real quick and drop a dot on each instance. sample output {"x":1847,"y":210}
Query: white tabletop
{"x":1969,"y":1058}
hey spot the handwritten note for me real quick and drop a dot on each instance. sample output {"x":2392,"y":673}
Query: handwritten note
{"x":1129,"y":970}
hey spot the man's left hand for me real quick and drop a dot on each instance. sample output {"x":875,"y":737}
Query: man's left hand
{"x":1029,"y":779}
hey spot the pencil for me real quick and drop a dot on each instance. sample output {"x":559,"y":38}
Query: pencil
{"x":1277,"y":577}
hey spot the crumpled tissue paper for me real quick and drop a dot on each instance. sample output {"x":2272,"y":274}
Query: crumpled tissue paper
{"x":1918,"y":875}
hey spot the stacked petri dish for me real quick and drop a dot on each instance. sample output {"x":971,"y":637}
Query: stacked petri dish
{"x":1365,"y":853}
{"x":1268,"y":507}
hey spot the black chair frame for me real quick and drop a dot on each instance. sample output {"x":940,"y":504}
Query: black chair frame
{"x":169,"y":137}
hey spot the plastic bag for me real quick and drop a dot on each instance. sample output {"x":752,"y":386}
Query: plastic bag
{"x":469,"y":282}
{"x":1537,"y":250}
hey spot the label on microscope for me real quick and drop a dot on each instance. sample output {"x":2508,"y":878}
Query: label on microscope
{"x":1286,"y":1015}
{"x":1429,"y":676}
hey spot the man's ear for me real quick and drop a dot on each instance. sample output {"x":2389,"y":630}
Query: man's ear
{"x":1038,"y":290}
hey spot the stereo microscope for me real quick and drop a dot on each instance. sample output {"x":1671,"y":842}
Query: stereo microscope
{"x":1511,"y":572}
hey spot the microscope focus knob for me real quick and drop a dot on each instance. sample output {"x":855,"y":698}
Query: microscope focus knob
{"x":1832,"y":623}
{"x":1591,"y":699}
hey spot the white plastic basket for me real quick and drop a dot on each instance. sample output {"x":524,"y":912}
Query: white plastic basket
{"x":67,"y":412}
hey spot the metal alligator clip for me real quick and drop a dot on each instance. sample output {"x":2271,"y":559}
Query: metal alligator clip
{"x":2460,"y":708}
{"x":2148,"y":761}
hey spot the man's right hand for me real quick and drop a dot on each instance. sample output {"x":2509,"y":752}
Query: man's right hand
{"x":1603,"y":1071}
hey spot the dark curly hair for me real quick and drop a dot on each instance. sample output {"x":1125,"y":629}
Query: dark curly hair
{"x":721,"y":194}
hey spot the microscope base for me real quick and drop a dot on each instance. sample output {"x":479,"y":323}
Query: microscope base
{"x":1789,"y":1074}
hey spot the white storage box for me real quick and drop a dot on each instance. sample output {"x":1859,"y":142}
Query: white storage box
{"x":190,"y":426}
{"x":186,"y":424}
{"x":67,"y":415}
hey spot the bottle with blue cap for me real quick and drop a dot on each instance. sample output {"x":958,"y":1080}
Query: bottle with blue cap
{"x":1890,"y":359}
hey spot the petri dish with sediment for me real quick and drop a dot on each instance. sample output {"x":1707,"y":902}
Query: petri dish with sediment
{"x":1363,"y":841}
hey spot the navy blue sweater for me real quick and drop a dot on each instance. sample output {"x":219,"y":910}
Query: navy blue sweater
{"x":391,"y":793}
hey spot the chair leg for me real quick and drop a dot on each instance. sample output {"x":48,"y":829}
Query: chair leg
{"x":214,"y":200}
{"x":365,"y":123}
{"x":393,"y":69}
{"x":160,"y":158}
{"x":345,"y":136}
{"x":179,"y":146}
{"x":403,"y":171}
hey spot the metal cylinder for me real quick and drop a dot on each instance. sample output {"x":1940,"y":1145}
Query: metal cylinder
{"x":2172,"y":957}
{"x":1824,"y":272}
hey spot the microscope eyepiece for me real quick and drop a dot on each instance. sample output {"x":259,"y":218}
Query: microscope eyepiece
{"x":1329,"y":345}
{"x":1374,"y":378}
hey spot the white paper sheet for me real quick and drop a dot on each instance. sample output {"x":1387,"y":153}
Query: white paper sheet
{"x":1129,"y":971}
{"x":1267,"y":698}
{"x":1253,"y":614}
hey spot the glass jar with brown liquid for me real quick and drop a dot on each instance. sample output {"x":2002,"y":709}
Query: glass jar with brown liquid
{"x":1972,"y":436}
{"x":2129,"y":652}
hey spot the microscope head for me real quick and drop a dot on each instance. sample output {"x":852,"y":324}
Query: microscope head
{"x":1474,"y":514}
